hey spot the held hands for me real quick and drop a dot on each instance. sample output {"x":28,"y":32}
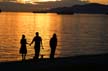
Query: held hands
{"x":42,"y":47}
{"x":30,"y":44}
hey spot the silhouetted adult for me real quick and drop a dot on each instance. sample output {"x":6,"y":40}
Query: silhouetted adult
{"x":38,"y":43}
{"x":53,"y":45}
{"x":23,"y":49}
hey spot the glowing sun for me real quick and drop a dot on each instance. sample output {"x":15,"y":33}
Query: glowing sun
{"x":29,"y":1}
{"x":47,"y":0}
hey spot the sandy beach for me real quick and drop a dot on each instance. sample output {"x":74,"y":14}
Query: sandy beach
{"x":76,"y":63}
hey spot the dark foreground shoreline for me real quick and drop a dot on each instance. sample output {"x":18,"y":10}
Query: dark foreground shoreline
{"x":75,"y":63}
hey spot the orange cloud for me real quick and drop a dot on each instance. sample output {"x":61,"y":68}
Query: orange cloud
{"x":100,"y":1}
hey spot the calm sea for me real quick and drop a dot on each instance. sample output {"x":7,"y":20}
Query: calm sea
{"x":78,"y":34}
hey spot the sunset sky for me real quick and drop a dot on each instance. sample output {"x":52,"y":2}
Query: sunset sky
{"x":96,"y":1}
{"x":100,"y":1}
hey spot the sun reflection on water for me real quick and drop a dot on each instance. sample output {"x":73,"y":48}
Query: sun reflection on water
{"x":13,"y":25}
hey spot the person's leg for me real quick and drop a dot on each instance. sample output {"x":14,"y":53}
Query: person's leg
{"x":24,"y":56}
{"x":52,"y":53}
{"x":37,"y":51}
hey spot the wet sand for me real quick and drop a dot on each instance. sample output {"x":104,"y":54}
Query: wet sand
{"x":75,"y":63}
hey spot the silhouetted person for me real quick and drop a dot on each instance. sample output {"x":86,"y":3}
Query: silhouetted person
{"x":23,"y":49}
{"x":53,"y":45}
{"x":38,"y":43}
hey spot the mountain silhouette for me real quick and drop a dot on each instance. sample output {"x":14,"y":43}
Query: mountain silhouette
{"x":93,"y":8}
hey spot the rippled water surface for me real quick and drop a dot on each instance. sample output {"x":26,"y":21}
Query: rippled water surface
{"x":77,"y":34}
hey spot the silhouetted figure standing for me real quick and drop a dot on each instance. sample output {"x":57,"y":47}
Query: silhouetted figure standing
{"x":38,"y":43}
{"x":23,"y":49}
{"x":53,"y":45}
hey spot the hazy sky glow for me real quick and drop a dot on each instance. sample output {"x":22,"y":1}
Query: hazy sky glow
{"x":36,"y":0}
{"x":96,"y":1}
{"x":100,"y":1}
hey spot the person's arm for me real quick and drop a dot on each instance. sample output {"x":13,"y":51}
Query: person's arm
{"x":20,"y":41}
{"x":56,"y":41}
{"x":41,"y":44}
{"x":26,"y":41}
{"x":32,"y":41}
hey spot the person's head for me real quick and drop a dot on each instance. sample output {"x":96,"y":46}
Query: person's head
{"x":54,"y":35}
{"x":23,"y":36}
{"x":37,"y":33}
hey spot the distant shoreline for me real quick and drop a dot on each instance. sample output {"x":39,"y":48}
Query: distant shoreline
{"x":52,"y":12}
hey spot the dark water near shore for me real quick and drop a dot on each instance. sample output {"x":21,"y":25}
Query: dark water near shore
{"x":77,"y":34}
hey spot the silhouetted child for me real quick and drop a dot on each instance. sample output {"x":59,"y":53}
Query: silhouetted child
{"x":23,"y":49}
{"x":53,"y":45}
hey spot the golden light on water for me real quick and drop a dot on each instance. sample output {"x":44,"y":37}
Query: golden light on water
{"x":28,"y":24}
{"x":70,"y":30}
{"x":45,"y":24}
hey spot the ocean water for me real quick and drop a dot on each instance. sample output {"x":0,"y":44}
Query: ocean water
{"x":77,"y":34}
